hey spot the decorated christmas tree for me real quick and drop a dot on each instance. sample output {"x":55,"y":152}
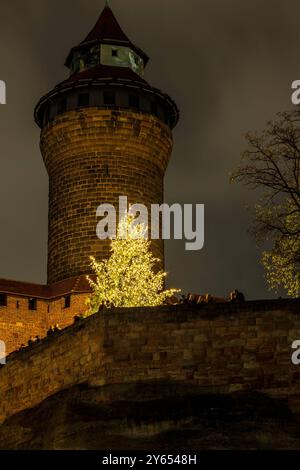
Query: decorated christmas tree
{"x":128,"y":278}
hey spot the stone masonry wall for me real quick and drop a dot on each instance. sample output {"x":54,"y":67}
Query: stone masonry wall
{"x":93,"y":156}
{"x":216,"y":348}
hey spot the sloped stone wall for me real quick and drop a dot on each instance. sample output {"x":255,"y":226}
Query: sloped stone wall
{"x":218,"y":348}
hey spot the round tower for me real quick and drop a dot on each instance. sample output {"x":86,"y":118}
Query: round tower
{"x":105,"y":133}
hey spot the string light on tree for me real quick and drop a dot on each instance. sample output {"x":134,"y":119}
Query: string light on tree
{"x":128,"y":278}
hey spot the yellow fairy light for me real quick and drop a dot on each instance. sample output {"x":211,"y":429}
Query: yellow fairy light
{"x":128,"y":278}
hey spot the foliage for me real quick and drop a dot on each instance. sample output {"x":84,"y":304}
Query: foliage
{"x":272,"y":164}
{"x":128,"y":278}
{"x":282,"y":263}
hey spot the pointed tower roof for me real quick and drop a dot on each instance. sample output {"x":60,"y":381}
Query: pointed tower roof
{"x":107,"y":27}
{"x":108,"y":31}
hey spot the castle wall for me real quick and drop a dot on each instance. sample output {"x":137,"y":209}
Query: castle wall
{"x":217,"y":348}
{"x":93,"y":156}
{"x":18,"y":324}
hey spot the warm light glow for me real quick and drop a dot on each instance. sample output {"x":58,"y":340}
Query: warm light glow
{"x":128,"y":277}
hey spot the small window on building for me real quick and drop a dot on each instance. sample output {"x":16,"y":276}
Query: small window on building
{"x":134,"y":101}
{"x":62,"y":106}
{"x":67,"y":301}
{"x":153,"y":107}
{"x":167,"y":120}
{"x":114,"y":52}
{"x":51,"y":113}
{"x":46,"y":116}
{"x":32,"y":304}
{"x":83,"y":100}
{"x":106,"y":170}
{"x":3,"y":300}
{"x":109,"y":98}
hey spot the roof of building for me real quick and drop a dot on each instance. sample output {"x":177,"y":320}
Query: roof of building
{"x":107,"y":27}
{"x":106,"y":72}
{"x":107,"y":30}
{"x":73,"y":285}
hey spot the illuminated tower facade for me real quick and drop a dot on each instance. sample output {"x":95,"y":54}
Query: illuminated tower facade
{"x":105,"y":133}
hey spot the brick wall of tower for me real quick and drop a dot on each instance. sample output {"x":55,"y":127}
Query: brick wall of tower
{"x":93,"y":156}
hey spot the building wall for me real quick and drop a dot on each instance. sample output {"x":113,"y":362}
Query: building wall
{"x":218,"y":348}
{"x":93,"y":156}
{"x":18,"y":324}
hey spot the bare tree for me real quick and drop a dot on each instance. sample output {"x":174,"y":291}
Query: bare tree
{"x":271,"y":163}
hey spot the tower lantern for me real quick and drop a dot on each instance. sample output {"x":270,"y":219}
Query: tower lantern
{"x":105,"y":133}
{"x":106,"y":45}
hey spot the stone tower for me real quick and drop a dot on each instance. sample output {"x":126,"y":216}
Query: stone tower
{"x":105,"y":133}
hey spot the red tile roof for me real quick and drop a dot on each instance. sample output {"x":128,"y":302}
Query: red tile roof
{"x":106,"y":71}
{"x":78,"y":284}
{"x":107,"y":27}
{"x":107,"y":30}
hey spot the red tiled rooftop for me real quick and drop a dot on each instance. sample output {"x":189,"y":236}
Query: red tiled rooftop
{"x":78,"y":284}
{"x":105,"y":72}
{"x":106,"y":27}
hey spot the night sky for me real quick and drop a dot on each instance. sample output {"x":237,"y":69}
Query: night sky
{"x":228,"y":64}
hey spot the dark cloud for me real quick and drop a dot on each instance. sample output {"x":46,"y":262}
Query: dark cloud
{"x":229,"y":65}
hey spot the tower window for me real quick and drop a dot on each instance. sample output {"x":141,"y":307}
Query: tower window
{"x":109,"y":98}
{"x":83,"y":100}
{"x":134,"y":101}
{"x":106,"y":170}
{"x":67,"y":301}
{"x":52,"y":113}
{"x":167,"y":120}
{"x":75,"y":65}
{"x":153,"y":107}
{"x":46,"y":116}
{"x":32,"y":304}
{"x":3,"y":300}
{"x":62,"y":106}
{"x":114,"y":52}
